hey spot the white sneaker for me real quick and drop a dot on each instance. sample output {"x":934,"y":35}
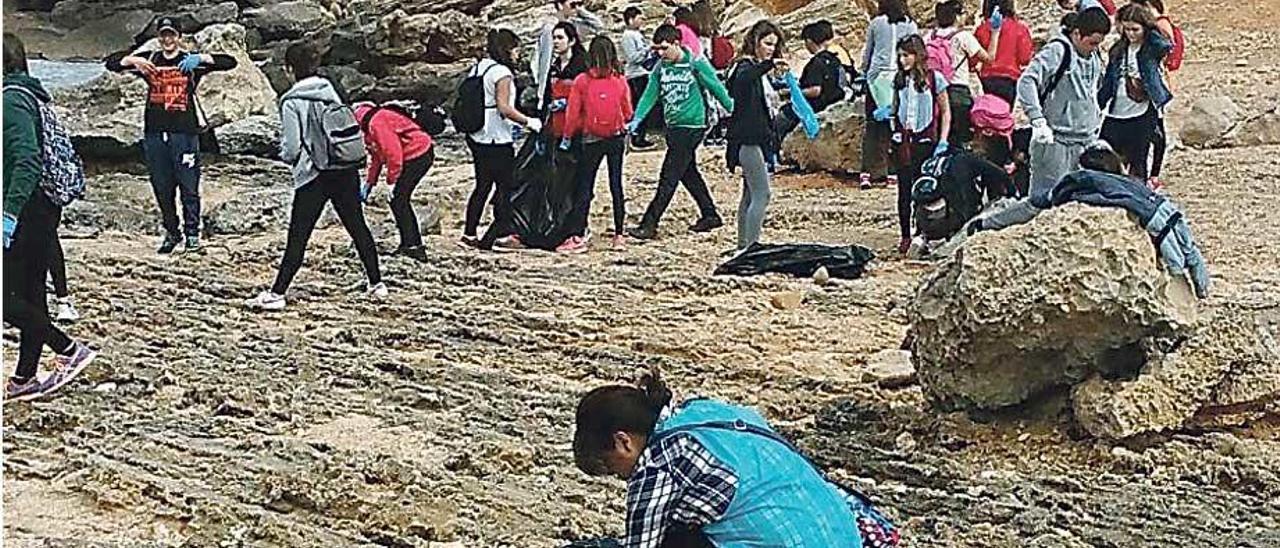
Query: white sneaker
{"x":266,"y":300}
{"x":379,"y":291}
{"x":67,"y":310}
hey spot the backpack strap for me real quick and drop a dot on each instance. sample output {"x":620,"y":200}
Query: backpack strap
{"x":1056,"y":78}
{"x":368,"y":118}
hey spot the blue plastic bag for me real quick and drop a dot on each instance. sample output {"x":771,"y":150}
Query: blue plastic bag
{"x":801,"y":107}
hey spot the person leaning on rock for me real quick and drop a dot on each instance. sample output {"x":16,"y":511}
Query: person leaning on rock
{"x":172,"y":123}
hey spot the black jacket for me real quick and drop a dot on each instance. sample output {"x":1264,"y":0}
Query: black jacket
{"x":751,"y":122}
{"x":171,"y":102}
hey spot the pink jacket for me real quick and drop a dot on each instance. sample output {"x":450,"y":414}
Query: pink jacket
{"x":690,"y":40}
{"x":392,"y":139}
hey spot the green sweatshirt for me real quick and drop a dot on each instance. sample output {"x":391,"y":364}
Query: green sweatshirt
{"x":22,"y":164}
{"x":681,"y":84}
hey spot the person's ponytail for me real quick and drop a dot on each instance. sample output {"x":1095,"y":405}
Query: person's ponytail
{"x":655,"y":391}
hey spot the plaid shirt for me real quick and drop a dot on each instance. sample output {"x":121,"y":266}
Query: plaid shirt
{"x":677,"y":480}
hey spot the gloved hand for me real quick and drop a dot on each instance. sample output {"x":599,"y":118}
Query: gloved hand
{"x":941,"y":148}
{"x":882,"y":114}
{"x":559,"y":105}
{"x":633,"y":126}
{"x":1041,"y":133}
{"x":565,"y":142}
{"x":10,"y":226}
{"x":996,"y":20}
{"x":190,"y":63}
{"x":534,"y":125}
{"x":365,"y":190}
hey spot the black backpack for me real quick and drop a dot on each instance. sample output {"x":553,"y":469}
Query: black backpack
{"x":1056,"y":78}
{"x":430,"y":119}
{"x":469,"y":107}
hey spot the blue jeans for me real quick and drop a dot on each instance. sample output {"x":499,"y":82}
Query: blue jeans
{"x":174,"y":162}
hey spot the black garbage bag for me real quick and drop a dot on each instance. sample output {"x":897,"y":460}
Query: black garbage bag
{"x":543,"y":195}
{"x":802,"y":260}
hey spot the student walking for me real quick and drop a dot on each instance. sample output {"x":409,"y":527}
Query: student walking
{"x":952,"y":51}
{"x":492,"y":152}
{"x":751,"y":136}
{"x":1062,"y":104}
{"x":304,"y":109}
{"x":397,"y":142}
{"x":30,"y":236}
{"x":638,"y":59}
{"x":682,"y":80}
{"x":172,"y":123}
{"x":599,"y":109}
{"x":891,"y":24}
{"x":1009,"y":36}
{"x":921,"y":121}
{"x":1133,"y":93}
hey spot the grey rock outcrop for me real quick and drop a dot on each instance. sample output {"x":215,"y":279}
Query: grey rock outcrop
{"x":257,"y":135}
{"x":1210,"y":118}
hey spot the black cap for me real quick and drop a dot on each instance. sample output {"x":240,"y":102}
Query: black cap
{"x":167,"y":23}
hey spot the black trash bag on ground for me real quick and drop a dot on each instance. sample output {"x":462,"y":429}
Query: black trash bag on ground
{"x":543,"y":195}
{"x":801,"y":260}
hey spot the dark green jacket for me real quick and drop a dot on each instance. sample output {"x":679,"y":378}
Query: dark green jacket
{"x":22,"y":164}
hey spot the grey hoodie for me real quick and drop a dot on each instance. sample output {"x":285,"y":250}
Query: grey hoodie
{"x":294,"y":108}
{"x":1072,"y":108}
{"x":880,"y":53}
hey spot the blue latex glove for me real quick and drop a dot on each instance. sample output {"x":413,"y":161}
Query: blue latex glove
{"x":882,"y":114}
{"x":365,"y":190}
{"x":559,"y":105}
{"x":190,"y":63}
{"x":10,"y":226}
{"x":997,"y":19}
{"x":633,"y":126}
{"x":564,"y":143}
{"x":941,"y":148}
{"x":801,"y":107}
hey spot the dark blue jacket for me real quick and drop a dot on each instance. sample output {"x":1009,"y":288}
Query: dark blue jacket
{"x":1150,"y":57}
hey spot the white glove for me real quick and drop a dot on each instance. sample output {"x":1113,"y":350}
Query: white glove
{"x":534,"y":125}
{"x":1041,"y":133}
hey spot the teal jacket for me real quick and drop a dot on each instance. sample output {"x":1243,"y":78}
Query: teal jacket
{"x":22,"y":164}
{"x":681,"y":85}
{"x":780,"y":500}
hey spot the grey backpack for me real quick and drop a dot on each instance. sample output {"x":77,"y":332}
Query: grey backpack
{"x":333,"y":137}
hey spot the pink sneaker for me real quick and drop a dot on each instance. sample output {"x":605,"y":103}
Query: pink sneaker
{"x":508,"y":244}
{"x":892,"y":180}
{"x":1154,"y":184}
{"x":572,"y":244}
{"x":619,"y":241}
{"x":67,"y":367}
{"x":864,"y":181}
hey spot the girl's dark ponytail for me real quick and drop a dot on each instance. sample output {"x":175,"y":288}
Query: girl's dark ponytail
{"x":655,"y":391}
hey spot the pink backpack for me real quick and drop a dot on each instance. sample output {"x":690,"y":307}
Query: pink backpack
{"x":991,"y":116}
{"x":939,"y":58}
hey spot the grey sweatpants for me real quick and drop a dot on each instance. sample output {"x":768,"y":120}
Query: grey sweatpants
{"x":1052,"y":161}
{"x":755,"y":194}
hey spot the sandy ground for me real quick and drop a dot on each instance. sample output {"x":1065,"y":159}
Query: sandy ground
{"x":442,"y":417}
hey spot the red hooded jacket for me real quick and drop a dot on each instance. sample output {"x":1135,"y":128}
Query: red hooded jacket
{"x":392,"y":139}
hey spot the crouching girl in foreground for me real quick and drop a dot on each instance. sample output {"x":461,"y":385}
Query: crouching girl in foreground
{"x":707,"y":473}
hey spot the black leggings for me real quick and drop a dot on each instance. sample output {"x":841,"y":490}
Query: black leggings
{"x":26,"y":263}
{"x":58,"y":270}
{"x":1131,"y":138}
{"x":342,"y":189}
{"x":401,"y":204}
{"x":495,"y":166}
{"x":909,"y":158}
{"x":1159,"y":142}
{"x":592,"y":155}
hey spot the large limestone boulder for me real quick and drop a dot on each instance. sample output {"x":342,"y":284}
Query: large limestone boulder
{"x":288,"y":20}
{"x":257,"y":135}
{"x":105,"y":115}
{"x":1210,"y":118}
{"x":1043,"y":306}
{"x":1226,"y":371}
{"x":1263,"y":129}
{"x":431,"y":37}
{"x":838,"y":147}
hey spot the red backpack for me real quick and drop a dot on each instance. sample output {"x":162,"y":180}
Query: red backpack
{"x":601,"y":100}
{"x":1173,"y":61}
{"x":721,"y":52}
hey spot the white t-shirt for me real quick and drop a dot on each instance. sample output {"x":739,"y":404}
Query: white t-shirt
{"x":964,"y":46}
{"x":1124,"y":107}
{"x":497,"y":129}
